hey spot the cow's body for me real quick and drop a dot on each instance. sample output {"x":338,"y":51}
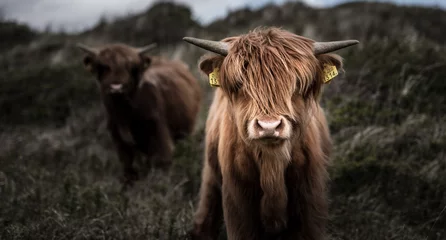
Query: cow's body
{"x":158,"y":107}
{"x":266,"y":181}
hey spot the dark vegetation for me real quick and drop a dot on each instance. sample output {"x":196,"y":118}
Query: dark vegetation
{"x":58,"y":169}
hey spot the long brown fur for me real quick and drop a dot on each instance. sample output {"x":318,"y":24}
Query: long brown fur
{"x":158,"y":106}
{"x":259,"y":191}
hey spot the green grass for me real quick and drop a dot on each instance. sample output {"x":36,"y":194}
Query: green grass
{"x":43,"y":94}
{"x":72,"y":192}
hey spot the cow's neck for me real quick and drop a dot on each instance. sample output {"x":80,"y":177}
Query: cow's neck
{"x":281,"y":153}
{"x":118,"y":106}
{"x":272,"y":164}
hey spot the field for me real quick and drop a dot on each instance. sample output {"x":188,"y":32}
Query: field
{"x":59,"y":172}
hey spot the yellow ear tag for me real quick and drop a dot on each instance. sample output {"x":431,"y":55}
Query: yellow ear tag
{"x":214,"y":78}
{"x":330,"y":72}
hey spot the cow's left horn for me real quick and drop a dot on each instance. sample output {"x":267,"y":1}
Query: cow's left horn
{"x":326,"y":47}
{"x":213,"y":46}
{"x":146,"y":48}
{"x":87,"y":49}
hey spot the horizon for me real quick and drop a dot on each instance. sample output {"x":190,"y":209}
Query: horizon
{"x":84,"y":15}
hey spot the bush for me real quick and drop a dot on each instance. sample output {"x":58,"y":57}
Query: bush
{"x":13,"y":34}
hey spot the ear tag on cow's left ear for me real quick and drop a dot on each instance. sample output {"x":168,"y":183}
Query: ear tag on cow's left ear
{"x":214,"y":78}
{"x":330,"y":72}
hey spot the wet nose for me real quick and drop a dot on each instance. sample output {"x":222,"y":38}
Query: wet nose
{"x":116,"y":86}
{"x":269,"y":125}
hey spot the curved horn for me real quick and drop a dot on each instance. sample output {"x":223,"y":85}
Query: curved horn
{"x":146,"y":48}
{"x":213,"y":46}
{"x":87,"y":49}
{"x":326,"y":47}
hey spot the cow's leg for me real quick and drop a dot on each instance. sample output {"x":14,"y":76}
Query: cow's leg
{"x":241,"y":210}
{"x":126,"y":156}
{"x":208,"y":217}
{"x":308,"y":204}
{"x":160,"y":147}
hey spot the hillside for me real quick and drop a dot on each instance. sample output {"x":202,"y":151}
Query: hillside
{"x":58,"y":168}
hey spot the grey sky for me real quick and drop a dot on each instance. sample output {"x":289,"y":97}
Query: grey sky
{"x":80,"y":14}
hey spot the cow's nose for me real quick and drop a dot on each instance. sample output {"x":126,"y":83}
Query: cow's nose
{"x":116,"y":86}
{"x":269,"y":125}
{"x":269,"y":128}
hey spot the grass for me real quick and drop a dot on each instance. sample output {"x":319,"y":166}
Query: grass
{"x":67,"y":189}
{"x":40,"y":94}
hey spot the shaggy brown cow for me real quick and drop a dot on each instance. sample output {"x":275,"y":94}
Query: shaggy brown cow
{"x":267,"y":140}
{"x":150,"y":102}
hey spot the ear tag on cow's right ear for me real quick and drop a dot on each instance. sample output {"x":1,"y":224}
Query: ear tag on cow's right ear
{"x":214,"y":78}
{"x":330,"y":72}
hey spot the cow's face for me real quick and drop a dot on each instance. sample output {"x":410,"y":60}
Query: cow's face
{"x":270,"y":84}
{"x":117,"y":68}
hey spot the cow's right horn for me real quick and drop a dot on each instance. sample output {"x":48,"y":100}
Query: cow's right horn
{"x":326,"y":47}
{"x":213,"y":46}
{"x":146,"y":48}
{"x":87,"y":49}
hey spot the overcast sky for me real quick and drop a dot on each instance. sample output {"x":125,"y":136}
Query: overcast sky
{"x":75,"y":15}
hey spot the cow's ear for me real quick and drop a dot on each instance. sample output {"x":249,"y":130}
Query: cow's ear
{"x":206,"y":66}
{"x":331,"y":65}
{"x":331,"y":59}
{"x":207,"y":63}
{"x":146,"y":61}
{"x":88,"y":62}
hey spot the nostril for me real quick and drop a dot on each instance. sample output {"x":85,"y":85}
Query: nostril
{"x":269,"y":125}
{"x":258,"y":124}
{"x":280,"y":124}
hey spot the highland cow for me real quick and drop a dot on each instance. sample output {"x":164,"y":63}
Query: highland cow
{"x":267,"y":143}
{"x":150,"y":102}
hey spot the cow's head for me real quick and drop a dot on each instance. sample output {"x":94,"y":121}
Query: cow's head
{"x":117,"y":67}
{"x":271,"y":78}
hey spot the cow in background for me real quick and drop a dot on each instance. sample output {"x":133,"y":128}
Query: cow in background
{"x":150,"y":102}
{"x":267,"y":141}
